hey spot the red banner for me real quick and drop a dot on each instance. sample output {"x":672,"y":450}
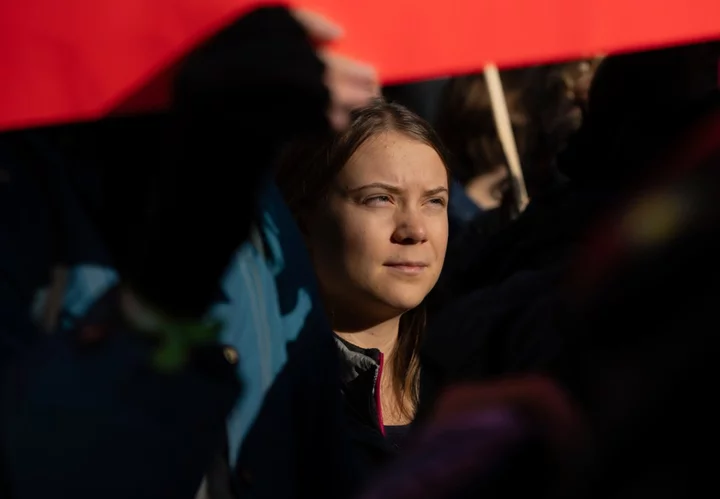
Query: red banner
{"x":79,"y":59}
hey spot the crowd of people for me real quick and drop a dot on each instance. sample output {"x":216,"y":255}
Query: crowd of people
{"x":295,"y":283}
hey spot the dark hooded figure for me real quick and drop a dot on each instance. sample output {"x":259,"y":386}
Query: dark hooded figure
{"x":502,"y":313}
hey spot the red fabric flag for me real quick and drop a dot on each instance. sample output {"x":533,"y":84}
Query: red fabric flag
{"x":81,"y":59}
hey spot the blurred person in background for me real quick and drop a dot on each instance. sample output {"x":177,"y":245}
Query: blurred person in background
{"x":372,"y":203}
{"x":640,"y":359}
{"x":545,"y":109}
{"x":144,"y":380}
{"x":507,"y":305}
{"x":546,"y":106}
{"x":467,"y":127}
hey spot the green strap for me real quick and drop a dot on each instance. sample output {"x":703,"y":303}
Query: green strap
{"x":178,"y":339}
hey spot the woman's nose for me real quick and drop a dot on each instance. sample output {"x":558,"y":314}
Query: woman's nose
{"x":410,"y":230}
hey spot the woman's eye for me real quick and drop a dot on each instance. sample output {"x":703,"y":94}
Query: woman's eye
{"x":438,"y":201}
{"x":377,"y":200}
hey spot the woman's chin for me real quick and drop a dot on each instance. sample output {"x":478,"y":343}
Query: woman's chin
{"x":400,"y":305}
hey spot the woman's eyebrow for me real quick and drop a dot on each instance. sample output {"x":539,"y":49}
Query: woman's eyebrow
{"x":397,"y":190}
{"x":436,"y":191}
{"x":378,"y":185}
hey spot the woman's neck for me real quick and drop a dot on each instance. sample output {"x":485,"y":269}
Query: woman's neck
{"x":382,"y":336}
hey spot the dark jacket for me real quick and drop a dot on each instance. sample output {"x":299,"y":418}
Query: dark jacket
{"x":85,"y":414}
{"x":360,"y":374}
{"x":509,"y":305}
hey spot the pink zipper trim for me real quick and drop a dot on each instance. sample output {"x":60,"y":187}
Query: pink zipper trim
{"x":378,"y":404}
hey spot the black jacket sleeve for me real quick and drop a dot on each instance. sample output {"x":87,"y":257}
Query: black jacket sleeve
{"x":236,"y":100}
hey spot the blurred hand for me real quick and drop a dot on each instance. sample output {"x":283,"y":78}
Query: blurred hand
{"x":537,"y":397}
{"x":352,"y":84}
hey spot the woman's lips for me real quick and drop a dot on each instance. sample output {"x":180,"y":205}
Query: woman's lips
{"x":407,"y":268}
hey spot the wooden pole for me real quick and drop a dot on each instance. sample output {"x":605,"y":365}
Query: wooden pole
{"x":505,"y":133}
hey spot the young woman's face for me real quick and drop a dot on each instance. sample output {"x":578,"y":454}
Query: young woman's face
{"x":378,"y":241}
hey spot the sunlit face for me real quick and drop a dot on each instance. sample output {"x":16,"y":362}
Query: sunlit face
{"x":378,"y":241}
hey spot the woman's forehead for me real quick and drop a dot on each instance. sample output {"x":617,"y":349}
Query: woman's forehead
{"x":395,"y":158}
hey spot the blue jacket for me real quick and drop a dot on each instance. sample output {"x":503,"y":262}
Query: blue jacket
{"x":267,"y":296}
